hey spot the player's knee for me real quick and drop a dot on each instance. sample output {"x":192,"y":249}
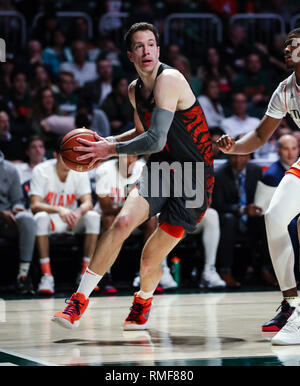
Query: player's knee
{"x":26,"y":221}
{"x":92,"y":222}
{"x":42,"y":223}
{"x":122,"y":226}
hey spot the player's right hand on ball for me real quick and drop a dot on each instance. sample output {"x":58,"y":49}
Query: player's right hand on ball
{"x":226,"y":143}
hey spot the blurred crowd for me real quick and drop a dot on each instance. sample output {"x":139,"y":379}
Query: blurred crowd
{"x":64,"y":79}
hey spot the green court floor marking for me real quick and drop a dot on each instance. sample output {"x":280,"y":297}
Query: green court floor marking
{"x":8,"y":357}
{"x":246,"y":361}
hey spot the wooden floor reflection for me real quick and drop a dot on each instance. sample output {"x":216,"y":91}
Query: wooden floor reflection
{"x":186,"y":329}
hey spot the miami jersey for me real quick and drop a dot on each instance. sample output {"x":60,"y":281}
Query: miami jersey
{"x":46,"y":184}
{"x":286,"y":99}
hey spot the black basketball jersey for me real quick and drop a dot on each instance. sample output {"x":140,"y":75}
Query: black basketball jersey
{"x":188,"y":137}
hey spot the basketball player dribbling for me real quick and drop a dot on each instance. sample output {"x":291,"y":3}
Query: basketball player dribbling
{"x":169,"y":125}
{"x":285,"y":204}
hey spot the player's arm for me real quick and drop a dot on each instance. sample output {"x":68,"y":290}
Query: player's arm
{"x":167,"y":92}
{"x":251,"y":141}
{"x":86,"y":204}
{"x":37,"y":204}
{"x":166,"y":95}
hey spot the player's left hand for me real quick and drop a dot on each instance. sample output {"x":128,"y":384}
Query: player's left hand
{"x":102,"y":149}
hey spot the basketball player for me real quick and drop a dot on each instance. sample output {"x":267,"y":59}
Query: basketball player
{"x":285,"y":203}
{"x":54,"y":193}
{"x":169,"y":125}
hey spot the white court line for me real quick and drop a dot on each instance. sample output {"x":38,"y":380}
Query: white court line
{"x":27,"y":357}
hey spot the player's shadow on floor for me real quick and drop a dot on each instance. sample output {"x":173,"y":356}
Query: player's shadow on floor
{"x":155,"y":338}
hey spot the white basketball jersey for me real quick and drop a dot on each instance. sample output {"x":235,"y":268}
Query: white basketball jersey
{"x":286,"y":99}
{"x":46,"y":184}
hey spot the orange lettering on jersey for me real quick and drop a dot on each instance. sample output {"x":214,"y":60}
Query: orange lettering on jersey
{"x":70,"y":199}
{"x":49,"y":197}
{"x":54,"y":199}
{"x":61,"y":200}
{"x":298,"y":163}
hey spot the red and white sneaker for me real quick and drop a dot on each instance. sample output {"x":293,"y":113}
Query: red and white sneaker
{"x":46,"y":285}
{"x":69,"y":317}
{"x":138,"y":318}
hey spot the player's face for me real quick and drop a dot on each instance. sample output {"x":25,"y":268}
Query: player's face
{"x":61,"y":165}
{"x":36,"y":151}
{"x":292,"y":51}
{"x":144,"y":52}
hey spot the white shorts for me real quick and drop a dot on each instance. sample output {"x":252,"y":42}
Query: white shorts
{"x":48,"y":224}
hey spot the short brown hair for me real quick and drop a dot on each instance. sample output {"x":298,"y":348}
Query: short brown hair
{"x":142,"y":26}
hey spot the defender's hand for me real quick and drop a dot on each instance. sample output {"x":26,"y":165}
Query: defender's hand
{"x":226,"y":143}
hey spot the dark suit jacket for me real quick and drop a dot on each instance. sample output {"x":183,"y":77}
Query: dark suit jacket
{"x":225,"y":194}
{"x":91,"y":91}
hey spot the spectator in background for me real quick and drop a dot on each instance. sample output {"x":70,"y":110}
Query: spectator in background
{"x":213,"y":68}
{"x":235,"y":48}
{"x":273,"y":56}
{"x":44,"y":106}
{"x":255,"y":84}
{"x":79,"y":30}
{"x":19,"y":102}
{"x":182,"y":64}
{"x":11,"y":145}
{"x":15,"y":222}
{"x":32,"y":58}
{"x":210,"y":103}
{"x":66,"y":97}
{"x":233,"y":196}
{"x":40,"y":79}
{"x":82,"y":69}
{"x":85,"y":116}
{"x":171,"y":52}
{"x":35,"y":154}
{"x":96,"y":91}
{"x":95,"y":117}
{"x":240,"y":122}
{"x":118,"y":108}
{"x":56,"y":53}
{"x":46,"y":26}
{"x":107,"y":49}
{"x":6,"y":69}
{"x":54,"y":192}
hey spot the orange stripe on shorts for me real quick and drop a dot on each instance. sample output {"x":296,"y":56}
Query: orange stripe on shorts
{"x":52,"y":225}
{"x":173,"y":230}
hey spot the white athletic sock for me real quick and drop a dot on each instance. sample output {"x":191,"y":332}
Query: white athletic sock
{"x":145,"y":295}
{"x":88,"y":282}
{"x":23,"y":268}
{"x":293,"y":300}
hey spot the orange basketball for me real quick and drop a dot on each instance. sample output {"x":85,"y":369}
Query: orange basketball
{"x":69,"y":155}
